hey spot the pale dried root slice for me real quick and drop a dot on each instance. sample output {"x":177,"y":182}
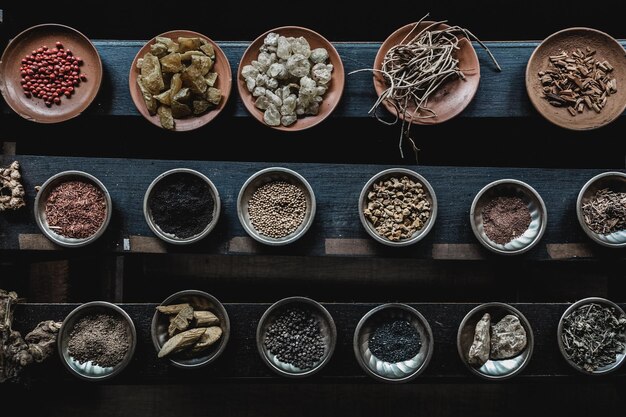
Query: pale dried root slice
{"x":211,"y":335}
{"x":181,"y":321}
{"x":205,"y":318}
{"x":172,"y":308}
{"x":181,"y":341}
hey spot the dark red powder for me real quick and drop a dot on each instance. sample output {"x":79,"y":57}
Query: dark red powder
{"x":505,"y":218}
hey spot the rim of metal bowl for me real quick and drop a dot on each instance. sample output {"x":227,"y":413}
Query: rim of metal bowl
{"x":308,"y":221}
{"x":574,"y":306}
{"x":225,"y":327}
{"x":528,"y":188}
{"x":217,"y":208}
{"x":417,"y":236}
{"x":530,"y":339}
{"x":40,"y":201}
{"x":297,"y":300}
{"x":424,"y":323}
{"x":97,"y":305}
{"x":579,"y":214}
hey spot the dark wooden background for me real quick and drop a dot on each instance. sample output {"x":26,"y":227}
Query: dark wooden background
{"x":524,"y":142}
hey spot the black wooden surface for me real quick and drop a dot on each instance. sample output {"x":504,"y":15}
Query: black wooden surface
{"x":241,"y":360}
{"x":337,"y":222}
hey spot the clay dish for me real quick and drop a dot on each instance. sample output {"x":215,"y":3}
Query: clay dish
{"x":34,"y":109}
{"x":224,"y":83}
{"x":607,"y":48}
{"x":452,"y":97}
{"x":332,"y":95}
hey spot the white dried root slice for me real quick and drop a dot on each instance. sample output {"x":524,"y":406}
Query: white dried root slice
{"x":209,"y":337}
{"x":172,"y":308}
{"x":181,"y":321}
{"x":204,"y":318}
{"x":10,"y":180}
{"x":181,"y":341}
{"x":288,"y":79}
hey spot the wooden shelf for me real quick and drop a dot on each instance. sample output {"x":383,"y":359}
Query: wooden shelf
{"x":241,"y":360}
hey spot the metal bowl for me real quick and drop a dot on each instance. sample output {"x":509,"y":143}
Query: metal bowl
{"x":383,"y":176}
{"x":263,"y":177}
{"x":386,"y":371}
{"x":512,"y":188}
{"x":615,"y":181}
{"x":494,"y":369}
{"x":619,"y":360}
{"x":327,"y":327}
{"x":199,"y":300}
{"x":40,"y":208}
{"x":88,"y":371}
{"x":168,"y":237}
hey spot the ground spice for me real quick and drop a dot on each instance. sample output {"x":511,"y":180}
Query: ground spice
{"x":75,"y":209}
{"x":277,"y":208}
{"x":182,"y":204}
{"x":395,"y":341}
{"x":505,"y":218}
{"x":295,"y":337}
{"x":103,"y":339}
{"x":606,"y":212}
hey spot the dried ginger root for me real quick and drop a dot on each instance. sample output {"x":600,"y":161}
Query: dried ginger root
{"x":10,"y":180}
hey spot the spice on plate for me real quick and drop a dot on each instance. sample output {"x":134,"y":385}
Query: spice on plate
{"x":288,"y":79}
{"x":295,"y":337}
{"x":593,"y":335}
{"x":11,"y":189}
{"x":578,"y":80}
{"x":505,"y":218}
{"x":395,"y":341}
{"x":182,"y":204}
{"x":51,"y":73}
{"x":397,"y":207}
{"x":605,"y":212}
{"x":103,"y":339}
{"x":75,"y":209}
{"x":277,"y":208}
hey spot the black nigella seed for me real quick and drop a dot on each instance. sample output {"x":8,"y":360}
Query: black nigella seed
{"x":395,"y":341}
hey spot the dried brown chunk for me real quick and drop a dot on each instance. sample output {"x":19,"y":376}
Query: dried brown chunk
{"x":181,"y":341}
{"x":188,"y":44}
{"x":151,"y":103}
{"x":151,"y":74}
{"x":211,"y":335}
{"x":166,"y":118}
{"x":172,"y":63}
{"x":205,"y":318}
{"x":172,"y":308}
{"x":181,"y":321}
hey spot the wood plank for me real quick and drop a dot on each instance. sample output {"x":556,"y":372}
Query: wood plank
{"x":336,"y":230}
{"x":241,"y":360}
{"x":500,"y":94}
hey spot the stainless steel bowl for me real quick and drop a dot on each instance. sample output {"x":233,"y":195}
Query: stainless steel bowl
{"x":615,"y":181}
{"x":494,"y":369}
{"x":168,"y":237}
{"x":326,"y":324}
{"x":89,"y":371}
{"x":199,"y":300}
{"x":263,"y":177}
{"x":40,"y":208}
{"x":385,"y":175}
{"x":619,"y":360}
{"x":512,"y":188}
{"x":386,"y":371}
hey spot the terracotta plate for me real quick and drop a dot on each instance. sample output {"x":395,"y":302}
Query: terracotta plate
{"x":607,"y":48}
{"x":224,"y":83}
{"x":34,"y":109}
{"x":332,"y":95}
{"x":452,"y":97}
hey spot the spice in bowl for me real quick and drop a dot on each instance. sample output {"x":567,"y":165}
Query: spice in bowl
{"x":578,"y":80}
{"x":605,"y":212}
{"x":51,"y":73}
{"x":75,"y":209}
{"x":505,"y":218}
{"x":103,"y":339}
{"x":593,"y":335}
{"x":277,"y":209}
{"x":504,"y":340}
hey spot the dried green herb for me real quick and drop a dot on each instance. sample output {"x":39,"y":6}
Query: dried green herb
{"x":606,"y":212}
{"x":593,"y":335}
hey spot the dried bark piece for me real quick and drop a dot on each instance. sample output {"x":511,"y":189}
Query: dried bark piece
{"x":10,"y":180}
{"x":181,"y":321}
{"x":209,"y":337}
{"x":479,"y":350}
{"x":181,"y":341}
{"x":205,"y":318}
{"x":172,"y":308}
{"x":508,"y":338}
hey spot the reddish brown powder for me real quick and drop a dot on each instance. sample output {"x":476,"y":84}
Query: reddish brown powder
{"x":505,"y":218}
{"x":75,"y":209}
